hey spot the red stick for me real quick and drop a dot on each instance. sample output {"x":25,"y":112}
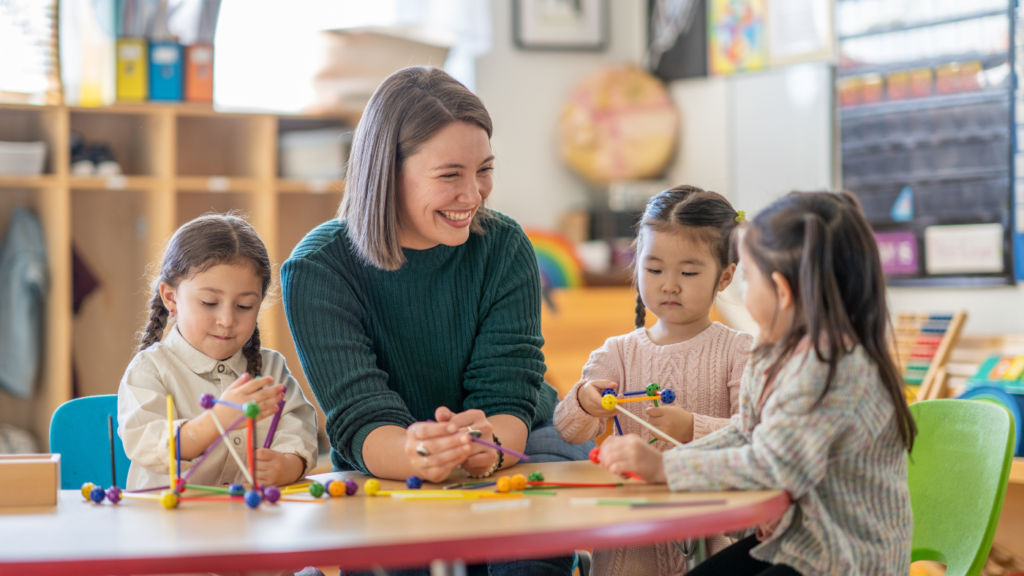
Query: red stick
{"x":574,"y":484}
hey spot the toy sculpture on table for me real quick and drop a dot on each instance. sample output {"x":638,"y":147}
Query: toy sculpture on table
{"x":170,"y":496}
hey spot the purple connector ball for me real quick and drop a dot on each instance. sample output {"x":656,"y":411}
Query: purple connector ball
{"x":236,"y":490}
{"x":668,"y":396}
{"x":253,"y":498}
{"x":114,"y":494}
{"x":97,"y":494}
{"x":413,"y":483}
{"x":272,"y":494}
{"x":351,"y":487}
{"x":207,"y":401}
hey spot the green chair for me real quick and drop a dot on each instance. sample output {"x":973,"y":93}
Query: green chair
{"x":958,"y":474}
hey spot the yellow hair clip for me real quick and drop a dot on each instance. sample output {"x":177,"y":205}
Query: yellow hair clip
{"x":741,"y":217}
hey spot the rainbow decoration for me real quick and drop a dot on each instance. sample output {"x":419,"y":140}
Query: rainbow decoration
{"x":560,"y":267}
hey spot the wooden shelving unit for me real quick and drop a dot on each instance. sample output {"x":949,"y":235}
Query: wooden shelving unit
{"x":179,"y":161}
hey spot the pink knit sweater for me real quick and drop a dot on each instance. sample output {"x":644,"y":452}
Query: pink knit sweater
{"x":704,"y":372}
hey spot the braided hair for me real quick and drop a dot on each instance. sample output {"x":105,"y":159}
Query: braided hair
{"x":197,"y":246}
{"x":705,"y":215}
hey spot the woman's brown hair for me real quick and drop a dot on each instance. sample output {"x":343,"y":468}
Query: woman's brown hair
{"x":823,"y":246}
{"x":706,"y":216}
{"x":405,"y":111}
{"x":198,"y":246}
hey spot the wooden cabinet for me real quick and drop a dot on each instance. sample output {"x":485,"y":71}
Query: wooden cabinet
{"x":178,"y":162}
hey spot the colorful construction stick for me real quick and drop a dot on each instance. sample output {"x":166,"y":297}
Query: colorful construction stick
{"x":575,"y":484}
{"x":142,"y":490}
{"x":210,"y":448}
{"x":680,"y":504}
{"x":644,"y":399}
{"x":508,"y":451}
{"x":274,"y":421}
{"x":617,"y":425}
{"x":110,"y":435}
{"x":648,"y":426}
{"x":170,"y":435}
{"x":231,"y":449}
{"x":177,"y":450}
{"x":252,"y":451}
{"x":207,"y":401}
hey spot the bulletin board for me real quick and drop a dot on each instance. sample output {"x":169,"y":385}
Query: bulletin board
{"x":926,"y":122}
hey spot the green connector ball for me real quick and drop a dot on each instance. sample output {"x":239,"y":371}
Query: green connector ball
{"x":536,"y":477}
{"x":251,"y":409}
{"x":652,"y":389}
{"x":316,"y":489}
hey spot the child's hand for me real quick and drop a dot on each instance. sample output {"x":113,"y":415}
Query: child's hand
{"x":276,"y":469}
{"x":672,"y":420}
{"x":629,"y":453}
{"x":589,"y":397}
{"x":261,"y":390}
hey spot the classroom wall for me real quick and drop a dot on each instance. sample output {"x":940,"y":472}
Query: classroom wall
{"x":524,"y":91}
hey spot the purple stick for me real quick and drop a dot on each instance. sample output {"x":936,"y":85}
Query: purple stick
{"x":202,"y":457}
{"x":154,"y":489}
{"x":484,"y":485}
{"x":177,"y":450}
{"x":273,"y":425}
{"x":234,"y":405}
{"x":522,"y":457}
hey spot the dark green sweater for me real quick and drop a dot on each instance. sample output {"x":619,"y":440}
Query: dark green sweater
{"x":455,"y":326}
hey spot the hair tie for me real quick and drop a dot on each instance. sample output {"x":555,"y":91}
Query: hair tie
{"x":741,"y":217}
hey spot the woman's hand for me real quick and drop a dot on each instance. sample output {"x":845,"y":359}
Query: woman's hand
{"x":629,"y":453}
{"x":444,"y":446}
{"x":480,"y":458}
{"x":672,"y":420}
{"x":263,"y":391}
{"x":589,"y":396}
{"x":276,"y":469}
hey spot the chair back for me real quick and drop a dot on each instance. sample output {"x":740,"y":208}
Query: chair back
{"x":78,"y":432}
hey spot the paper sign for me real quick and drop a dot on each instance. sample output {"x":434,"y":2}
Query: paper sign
{"x":898,"y":251}
{"x":964,"y":249}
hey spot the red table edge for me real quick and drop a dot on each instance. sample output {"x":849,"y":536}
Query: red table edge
{"x":537,"y":544}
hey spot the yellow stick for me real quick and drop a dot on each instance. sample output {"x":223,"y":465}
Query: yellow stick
{"x":648,"y":426}
{"x":170,"y":434}
{"x":639,"y":399}
{"x":231,"y":449}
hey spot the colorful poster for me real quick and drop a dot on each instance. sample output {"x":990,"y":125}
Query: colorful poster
{"x":964,"y":249}
{"x":898,"y":251}
{"x":736,"y":36}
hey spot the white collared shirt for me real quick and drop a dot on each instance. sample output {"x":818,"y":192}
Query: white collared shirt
{"x":175,"y":367}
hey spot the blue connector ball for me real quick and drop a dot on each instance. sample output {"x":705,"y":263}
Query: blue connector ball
{"x":413,"y":483}
{"x":668,"y":396}
{"x":253,"y":498}
{"x":97,"y":494}
{"x":236,"y":490}
{"x":608,"y":391}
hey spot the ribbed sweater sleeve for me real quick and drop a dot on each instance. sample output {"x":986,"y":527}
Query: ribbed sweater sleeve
{"x":506,"y":370}
{"x":326,"y":321}
{"x":573,"y":423}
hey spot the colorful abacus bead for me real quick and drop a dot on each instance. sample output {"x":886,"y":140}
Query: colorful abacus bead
{"x":668,"y":396}
{"x":87,"y":489}
{"x":413,"y":483}
{"x":536,"y":477}
{"x":272,"y":494}
{"x":114,"y":494}
{"x":518,"y":482}
{"x":504,"y":484}
{"x":652,"y":389}
{"x":595,"y":455}
{"x":236,"y":490}
{"x":316,"y":489}
{"x":351,"y":487}
{"x":251,"y":409}
{"x":609,"y":402}
{"x":207,"y":401}
{"x":253,"y":498}
{"x":97,"y":494}
{"x":168,"y":499}
{"x":335,"y":488}
{"x":371,"y":487}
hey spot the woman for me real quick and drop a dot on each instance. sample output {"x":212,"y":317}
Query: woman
{"x":416,"y":313}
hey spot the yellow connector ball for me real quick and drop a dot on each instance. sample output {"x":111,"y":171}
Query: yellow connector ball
{"x":168,"y":499}
{"x":87,"y":489}
{"x":609,"y":401}
{"x":372,"y":486}
{"x":519,"y":482}
{"x":504,"y":484}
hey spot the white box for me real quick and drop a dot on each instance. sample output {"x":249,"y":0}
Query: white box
{"x":315,"y":153}
{"x":22,"y":158}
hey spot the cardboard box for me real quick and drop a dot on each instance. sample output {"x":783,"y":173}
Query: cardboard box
{"x":29,"y":479}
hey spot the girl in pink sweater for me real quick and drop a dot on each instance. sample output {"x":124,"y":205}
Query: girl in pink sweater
{"x":683,"y":261}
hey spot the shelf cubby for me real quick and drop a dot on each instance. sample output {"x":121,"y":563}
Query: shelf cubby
{"x":133,"y":138}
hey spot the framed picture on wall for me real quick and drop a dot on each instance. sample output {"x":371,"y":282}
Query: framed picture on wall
{"x":560,"y":24}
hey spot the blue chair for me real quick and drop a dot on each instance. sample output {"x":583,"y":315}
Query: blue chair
{"x":78,"y":432}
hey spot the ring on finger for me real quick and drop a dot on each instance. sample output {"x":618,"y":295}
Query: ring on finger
{"x":475,"y":433}
{"x":422,"y":451}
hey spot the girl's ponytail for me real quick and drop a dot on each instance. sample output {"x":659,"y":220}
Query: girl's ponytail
{"x":641,"y":312}
{"x":157,"y":322}
{"x":253,"y":356}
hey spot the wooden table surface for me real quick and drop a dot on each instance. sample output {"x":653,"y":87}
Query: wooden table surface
{"x":139,"y":537}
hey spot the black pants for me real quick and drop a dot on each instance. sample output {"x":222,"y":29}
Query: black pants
{"x":736,"y":560}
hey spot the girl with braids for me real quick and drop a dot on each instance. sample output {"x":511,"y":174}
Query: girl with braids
{"x":822,"y":412}
{"x":683,"y":260}
{"x":214,"y":276}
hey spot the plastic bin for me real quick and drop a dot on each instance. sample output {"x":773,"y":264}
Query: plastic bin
{"x":22,"y":158}
{"x":314,"y":153}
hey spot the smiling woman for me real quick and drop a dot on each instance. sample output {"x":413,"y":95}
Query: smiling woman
{"x":416,"y":313}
